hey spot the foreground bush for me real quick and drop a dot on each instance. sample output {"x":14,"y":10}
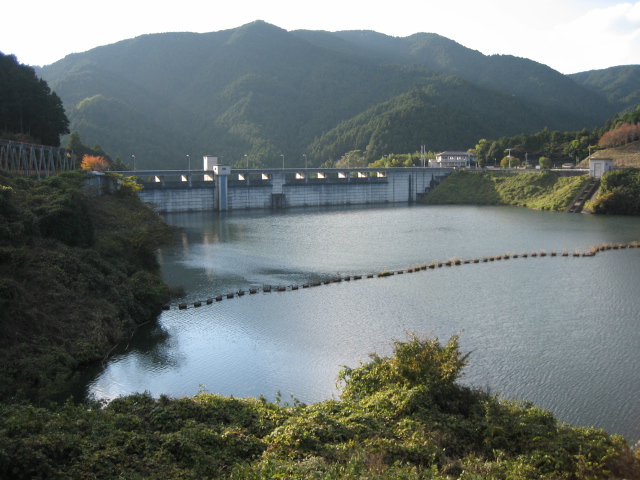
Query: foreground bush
{"x":402,"y":416}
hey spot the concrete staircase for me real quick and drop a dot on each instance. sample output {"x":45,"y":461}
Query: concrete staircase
{"x":585,"y":194}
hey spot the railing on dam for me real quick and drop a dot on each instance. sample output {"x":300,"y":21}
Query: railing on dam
{"x":169,"y":178}
{"x":241,"y":189}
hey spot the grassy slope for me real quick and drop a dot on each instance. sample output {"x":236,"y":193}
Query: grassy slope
{"x":543,"y":191}
{"x":627,"y":156}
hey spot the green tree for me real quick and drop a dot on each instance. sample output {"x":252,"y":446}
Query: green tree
{"x":495,"y":152}
{"x":510,"y":162}
{"x":482,"y":151}
{"x":118,"y":164}
{"x":74,"y":143}
{"x":352,"y":159}
{"x":545,"y":163}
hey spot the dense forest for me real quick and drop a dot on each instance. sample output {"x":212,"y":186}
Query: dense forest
{"x":260,"y":91}
{"x":29,"y":110}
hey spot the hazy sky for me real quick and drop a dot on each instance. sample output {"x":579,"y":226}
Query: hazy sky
{"x":568,"y":35}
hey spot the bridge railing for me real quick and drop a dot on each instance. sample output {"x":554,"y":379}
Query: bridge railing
{"x":31,"y":159}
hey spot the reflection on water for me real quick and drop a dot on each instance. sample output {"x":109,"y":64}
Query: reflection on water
{"x":559,"y":331}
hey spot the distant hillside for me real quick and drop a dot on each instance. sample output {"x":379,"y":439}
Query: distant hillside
{"x":444,"y":113}
{"x":619,"y":85}
{"x":261,"y":91}
{"x":546,"y":90}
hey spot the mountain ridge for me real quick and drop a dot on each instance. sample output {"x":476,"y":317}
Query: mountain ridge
{"x":261,"y":91}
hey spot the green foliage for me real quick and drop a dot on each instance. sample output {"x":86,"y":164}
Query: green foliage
{"x":545,"y":163}
{"x":510,"y":162}
{"x":352,"y":159}
{"x":77,"y":274}
{"x":124,"y":186}
{"x":402,"y":416}
{"x":543,"y":191}
{"x":395,"y":160}
{"x":415,"y":362}
{"x":27,"y":104}
{"x":557,"y":146}
{"x":62,"y":211}
{"x":619,"y":193}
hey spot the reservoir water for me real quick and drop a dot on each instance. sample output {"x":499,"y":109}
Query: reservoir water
{"x":560,"y":331}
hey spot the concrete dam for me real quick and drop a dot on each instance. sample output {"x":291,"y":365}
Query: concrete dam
{"x":226,"y":189}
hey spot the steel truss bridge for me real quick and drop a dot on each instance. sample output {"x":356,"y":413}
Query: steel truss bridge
{"x":39,"y":160}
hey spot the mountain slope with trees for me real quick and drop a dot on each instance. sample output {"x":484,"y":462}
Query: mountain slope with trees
{"x":619,"y":85}
{"x":261,"y":91}
{"x":543,"y":89}
{"x":390,"y":126}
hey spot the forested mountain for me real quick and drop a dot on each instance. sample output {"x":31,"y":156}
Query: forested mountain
{"x":261,"y":91}
{"x":545,"y":90}
{"x":619,"y":85}
{"x":448,"y":114}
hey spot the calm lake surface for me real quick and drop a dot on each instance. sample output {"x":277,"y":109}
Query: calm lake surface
{"x":562,"y":332}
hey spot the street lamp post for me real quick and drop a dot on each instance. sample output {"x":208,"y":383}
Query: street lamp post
{"x":188,"y":157}
{"x":247,"y":161}
{"x":305,"y":161}
{"x":282,"y":161}
{"x":134,"y":162}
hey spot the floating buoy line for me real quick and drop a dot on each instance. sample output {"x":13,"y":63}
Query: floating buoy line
{"x":388,"y":273}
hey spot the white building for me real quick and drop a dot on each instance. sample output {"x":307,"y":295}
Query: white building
{"x":599,"y":166}
{"x":453,"y":160}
